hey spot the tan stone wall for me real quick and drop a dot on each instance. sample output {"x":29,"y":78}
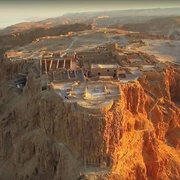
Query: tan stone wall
{"x":95,"y":110}
{"x":104,"y":71}
{"x":120,"y":58}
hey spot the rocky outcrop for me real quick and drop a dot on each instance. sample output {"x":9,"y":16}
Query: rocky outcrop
{"x":173,"y":80}
{"x":145,"y":147}
{"x":42,"y":137}
{"x":8,"y":70}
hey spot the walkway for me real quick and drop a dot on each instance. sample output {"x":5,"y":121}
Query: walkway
{"x":71,"y":44}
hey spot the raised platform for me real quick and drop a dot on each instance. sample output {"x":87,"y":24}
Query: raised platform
{"x":95,"y":106}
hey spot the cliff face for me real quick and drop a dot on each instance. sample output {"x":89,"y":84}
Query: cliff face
{"x":41,"y":137}
{"x":147,"y":148}
{"x":8,"y":70}
{"x":37,"y":127}
{"x":173,"y":79}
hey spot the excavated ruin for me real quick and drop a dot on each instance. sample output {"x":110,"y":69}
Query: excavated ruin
{"x":42,"y":137}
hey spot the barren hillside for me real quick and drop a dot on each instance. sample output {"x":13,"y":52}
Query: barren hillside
{"x":27,"y":36}
{"x":164,"y":25}
{"x":112,"y":18}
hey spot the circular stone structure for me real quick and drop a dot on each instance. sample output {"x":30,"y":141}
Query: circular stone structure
{"x":95,"y":106}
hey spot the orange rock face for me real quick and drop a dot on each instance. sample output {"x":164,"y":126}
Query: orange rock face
{"x":41,"y":137}
{"x":149,"y":144}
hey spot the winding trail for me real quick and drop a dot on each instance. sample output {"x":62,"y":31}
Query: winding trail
{"x":76,"y":38}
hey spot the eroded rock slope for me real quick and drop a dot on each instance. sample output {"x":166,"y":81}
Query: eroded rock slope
{"x":41,"y":137}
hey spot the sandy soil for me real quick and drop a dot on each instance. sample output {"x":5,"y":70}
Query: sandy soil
{"x":67,"y":43}
{"x":165,"y":50}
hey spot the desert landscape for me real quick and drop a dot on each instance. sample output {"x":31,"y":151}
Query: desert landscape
{"x":91,"y":96}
